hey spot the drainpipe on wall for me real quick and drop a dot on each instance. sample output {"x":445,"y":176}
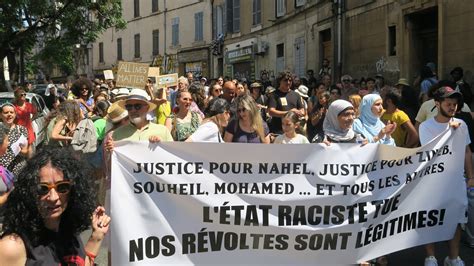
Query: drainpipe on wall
{"x":164,"y":49}
{"x":210,"y":56}
{"x":339,"y":37}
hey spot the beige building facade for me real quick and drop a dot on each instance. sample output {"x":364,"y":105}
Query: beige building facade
{"x":363,"y":38}
{"x":173,"y":35}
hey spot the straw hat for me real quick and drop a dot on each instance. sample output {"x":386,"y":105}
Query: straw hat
{"x":139,"y":95}
{"x":116,"y":112}
{"x":403,"y":81}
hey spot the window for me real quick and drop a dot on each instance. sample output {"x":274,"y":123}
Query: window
{"x":119,"y":49}
{"x":219,"y":21}
{"x":136,"y":8}
{"x":299,"y":3}
{"x":236,"y":16}
{"x":155,"y":42}
{"x":280,"y":57}
{"x":137,"y":45}
{"x":233,"y":15}
{"x":280,"y":8}
{"x":101,"y":52}
{"x":257,"y":12}
{"x":154,"y":5}
{"x":175,"y":31}
{"x":198,"y":27}
{"x":280,"y":50}
{"x":392,"y":40}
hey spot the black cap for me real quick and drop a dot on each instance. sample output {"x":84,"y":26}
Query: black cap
{"x":457,"y":69}
{"x":446,"y":92}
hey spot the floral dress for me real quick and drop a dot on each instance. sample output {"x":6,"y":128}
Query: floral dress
{"x":9,"y":160}
{"x":182,"y":130}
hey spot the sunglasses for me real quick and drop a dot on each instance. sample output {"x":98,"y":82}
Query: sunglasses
{"x":241,"y":110}
{"x":130,"y":107}
{"x":346,"y":80}
{"x":22,"y":94}
{"x":61,"y":187}
{"x":288,"y":80}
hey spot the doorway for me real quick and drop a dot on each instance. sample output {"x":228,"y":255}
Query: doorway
{"x":423,"y":32}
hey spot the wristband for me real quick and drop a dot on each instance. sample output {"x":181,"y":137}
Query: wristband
{"x":91,"y":256}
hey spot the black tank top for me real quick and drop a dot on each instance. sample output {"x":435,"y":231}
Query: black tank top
{"x":56,"y":249}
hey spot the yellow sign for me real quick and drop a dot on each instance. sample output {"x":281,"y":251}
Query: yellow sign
{"x":153,"y":71}
{"x":133,"y":75}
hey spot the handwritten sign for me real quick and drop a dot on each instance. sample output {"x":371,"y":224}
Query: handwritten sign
{"x":133,"y":75}
{"x":169,"y":80}
{"x":153,"y":72}
{"x":108,"y":74}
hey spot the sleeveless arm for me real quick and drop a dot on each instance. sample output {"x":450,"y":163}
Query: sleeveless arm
{"x":12,"y":251}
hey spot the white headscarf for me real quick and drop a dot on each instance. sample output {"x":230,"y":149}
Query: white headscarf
{"x":331,"y":124}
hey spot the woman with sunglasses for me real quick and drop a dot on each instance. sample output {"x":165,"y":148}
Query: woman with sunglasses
{"x":212,"y":128}
{"x":184,"y":122}
{"x":63,"y":122}
{"x":25,"y":111}
{"x":248,"y":126}
{"x":82,"y":91}
{"x":215,"y":91}
{"x":15,"y":156}
{"x":52,"y":203}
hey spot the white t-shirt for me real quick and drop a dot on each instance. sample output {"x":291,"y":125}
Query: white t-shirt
{"x":298,"y":139}
{"x":430,"y":129}
{"x":428,"y":110}
{"x":207,"y":132}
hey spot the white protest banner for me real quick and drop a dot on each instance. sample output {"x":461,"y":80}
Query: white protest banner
{"x":211,"y":203}
{"x":108,"y":74}
{"x":130,"y":74}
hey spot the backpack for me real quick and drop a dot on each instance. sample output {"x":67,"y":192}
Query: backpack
{"x":84,"y":138}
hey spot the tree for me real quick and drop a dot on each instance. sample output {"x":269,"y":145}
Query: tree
{"x":53,"y":27}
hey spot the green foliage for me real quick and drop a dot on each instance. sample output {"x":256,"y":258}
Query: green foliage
{"x":55,"y":27}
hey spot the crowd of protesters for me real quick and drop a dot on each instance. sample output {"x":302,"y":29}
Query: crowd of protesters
{"x":42,"y":212}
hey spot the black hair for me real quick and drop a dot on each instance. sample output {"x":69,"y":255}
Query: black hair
{"x":426,"y":72}
{"x":335,"y":87}
{"x":284,"y":75}
{"x":22,"y":216}
{"x":101,"y":108}
{"x":395,"y":96}
{"x":79,"y":84}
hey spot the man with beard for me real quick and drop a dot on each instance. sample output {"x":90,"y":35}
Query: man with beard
{"x":138,"y":105}
{"x":447,"y":100}
{"x":283,"y":101}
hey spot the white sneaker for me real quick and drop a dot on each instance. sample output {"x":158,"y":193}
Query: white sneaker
{"x":456,"y":262}
{"x":431,"y":261}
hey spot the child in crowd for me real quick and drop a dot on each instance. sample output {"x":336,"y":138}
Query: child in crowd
{"x":290,"y":123}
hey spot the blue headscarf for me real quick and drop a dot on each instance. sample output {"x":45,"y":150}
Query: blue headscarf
{"x":368,"y":119}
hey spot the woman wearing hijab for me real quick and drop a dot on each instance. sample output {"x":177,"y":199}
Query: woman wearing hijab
{"x":337,"y":125}
{"x":369,"y":124}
